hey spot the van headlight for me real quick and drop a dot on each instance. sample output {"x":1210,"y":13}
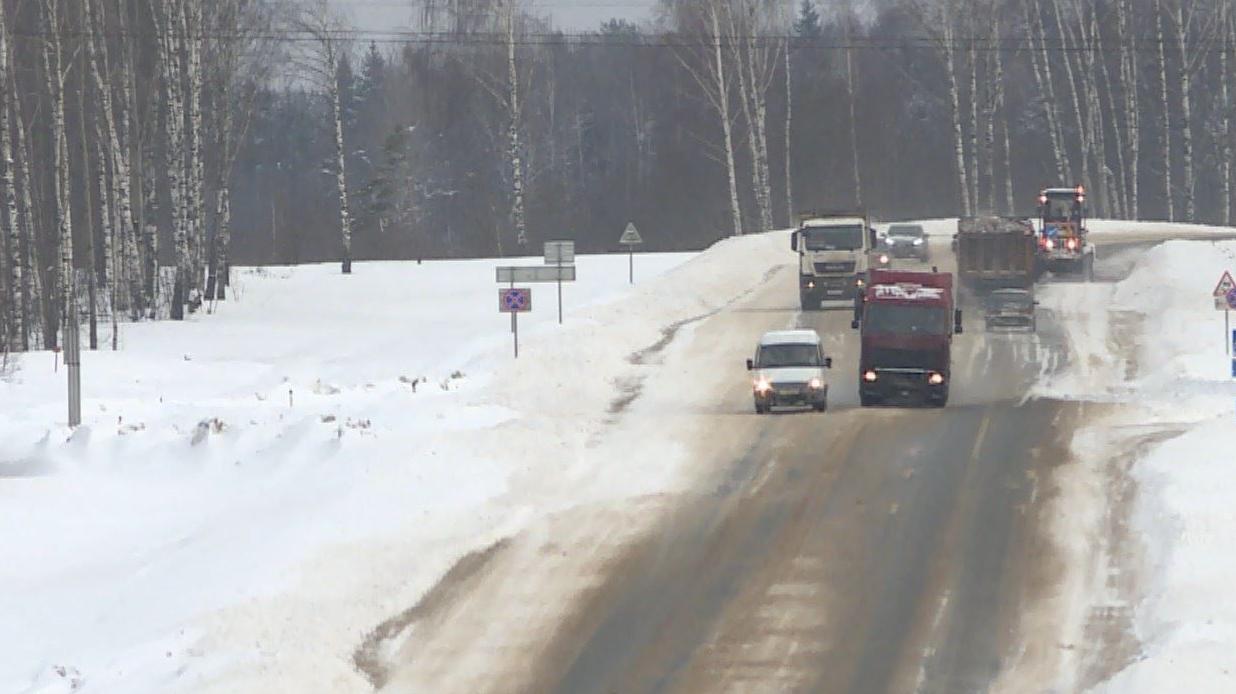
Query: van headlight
{"x":870,"y":376}
{"x":762,"y":386}
{"x":815,"y":384}
{"x":935,"y":379}
{"x":918,"y":242}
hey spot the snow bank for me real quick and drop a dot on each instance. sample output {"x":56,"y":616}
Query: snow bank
{"x":1154,"y":344}
{"x":253,"y":491}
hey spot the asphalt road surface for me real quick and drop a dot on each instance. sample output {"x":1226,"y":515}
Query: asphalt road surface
{"x":864,"y":550}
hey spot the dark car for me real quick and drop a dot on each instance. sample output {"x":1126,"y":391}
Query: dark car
{"x":1011,"y":309}
{"x":907,"y":241}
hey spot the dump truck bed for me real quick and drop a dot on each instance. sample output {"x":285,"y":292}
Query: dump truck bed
{"x":996,"y":252}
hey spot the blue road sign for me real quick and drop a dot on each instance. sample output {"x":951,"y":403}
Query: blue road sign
{"x":514,"y":300}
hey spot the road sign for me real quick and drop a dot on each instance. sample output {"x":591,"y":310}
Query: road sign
{"x":630,"y":236}
{"x":514,"y":300}
{"x":536,"y":273}
{"x":1226,"y":284}
{"x":559,"y":252}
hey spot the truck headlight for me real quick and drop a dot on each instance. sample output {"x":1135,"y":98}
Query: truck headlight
{"x":815,"y":384}
{"x":935,"y":379}
{"x":762,"y":386}
{"x":870,"y":376}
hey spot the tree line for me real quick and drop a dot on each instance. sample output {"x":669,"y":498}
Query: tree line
{"x":146,"y":145}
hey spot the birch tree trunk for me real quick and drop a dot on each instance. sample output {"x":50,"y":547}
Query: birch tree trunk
{"x":976,"y":172}
{"x":54,"y":76}
{"x":850,"y":100}
{"x":171,"y":34}
{"x":1001,"y":112}
{"x":1167,"y":113}
{"x":515,"y":154}
{"x":721,"y":101}
{"x":1129,"y":79}
{"x":341,"y":180}
{"x":20,"y":334}
{"x":195,"y":166}
{"x":33,"y":289}
{"x":1186,"y":112}
{"x":789,"y":129}
{"x":959,"y":143}
{"x":1071,"y":80}
{"x":1228,"y":32}
{"x":1041,"y":60}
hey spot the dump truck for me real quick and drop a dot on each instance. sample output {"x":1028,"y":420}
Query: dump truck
{"x":997,"y":253}
{"x":907,"y":321}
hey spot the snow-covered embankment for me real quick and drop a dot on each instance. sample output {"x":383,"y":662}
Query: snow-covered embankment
{"x":253,"y":492}
{"x":1152,"y":345}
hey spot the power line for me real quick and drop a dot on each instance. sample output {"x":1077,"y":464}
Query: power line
{"x":660,"y":41}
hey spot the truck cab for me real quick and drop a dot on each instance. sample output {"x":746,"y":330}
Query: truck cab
{"x":789,"y":370}
{"x":908,"y":322}
{"x":834,"y":256}
{"x":1063,"y":243}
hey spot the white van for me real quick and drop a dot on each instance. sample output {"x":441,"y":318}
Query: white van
{"x":788,"y":370}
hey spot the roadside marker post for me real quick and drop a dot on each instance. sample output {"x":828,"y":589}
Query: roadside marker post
{"x":515,"y":301}
{"x":630,"y":238}
{"x":73,"y":360}
{"x":560,"y":254}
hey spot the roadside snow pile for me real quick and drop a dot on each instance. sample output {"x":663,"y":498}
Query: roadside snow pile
{"x":252,"y":492}
{"x":1154,"y":344}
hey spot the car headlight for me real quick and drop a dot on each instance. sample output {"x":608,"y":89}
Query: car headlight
{"x":935,"y":379}
{"x":1049,"y":244}
{"x":870,"y":376}
{"x":815,"y":384}
{"x":884,"y":259}
{"x":918,"y":242}
{"x":762,"y":386}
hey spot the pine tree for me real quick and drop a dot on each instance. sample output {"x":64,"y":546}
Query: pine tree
{"x":808,"y":23}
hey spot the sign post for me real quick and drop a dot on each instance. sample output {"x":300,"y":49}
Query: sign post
{"x":73,"y":360}
{"x":515,"y":301}
{"x":558,"y":254}
{"x":631,"y":239}
{"x":1225,"y":301}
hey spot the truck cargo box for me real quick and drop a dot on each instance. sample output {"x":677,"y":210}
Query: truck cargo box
{"x":996,"y":252}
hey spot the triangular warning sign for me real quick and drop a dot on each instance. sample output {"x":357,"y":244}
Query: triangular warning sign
{"x":631,"y":236}
{"x":1226,"y":284}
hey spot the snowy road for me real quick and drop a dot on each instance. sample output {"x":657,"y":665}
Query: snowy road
{"x":865,"y":550}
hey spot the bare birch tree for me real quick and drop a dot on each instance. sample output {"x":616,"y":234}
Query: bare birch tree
{"x":320,"y":61}
{"x":54,"y":76}
{"x":708,"y":70}
{"x":19,"y":332}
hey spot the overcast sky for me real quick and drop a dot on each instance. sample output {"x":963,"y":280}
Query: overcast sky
{"x":568,"y":15}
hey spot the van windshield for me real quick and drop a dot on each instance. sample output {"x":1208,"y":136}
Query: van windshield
{"x":833,"y":238}
{"x":778,"y":356}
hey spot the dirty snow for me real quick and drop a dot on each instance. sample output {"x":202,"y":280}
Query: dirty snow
{"x":1154,"y":346}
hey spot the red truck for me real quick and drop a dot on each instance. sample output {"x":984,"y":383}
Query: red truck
{"x":908,"y":321}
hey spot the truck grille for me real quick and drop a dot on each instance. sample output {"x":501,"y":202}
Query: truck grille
{"x":847,"y":266}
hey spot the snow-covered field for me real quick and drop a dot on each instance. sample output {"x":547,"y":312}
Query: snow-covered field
{"x":253,"y":491}
{"x":1154,"y":344}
